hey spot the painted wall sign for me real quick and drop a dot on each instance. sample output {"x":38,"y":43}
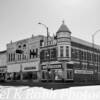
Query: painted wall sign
{"x":83,"y":72}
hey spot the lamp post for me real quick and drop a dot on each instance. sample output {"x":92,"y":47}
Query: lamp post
{"x":46,"y":30}
{"x":93,"y":35}
{"x":47,"y":46}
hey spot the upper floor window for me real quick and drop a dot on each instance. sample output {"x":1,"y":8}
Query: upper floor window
{"x":11,"y":57}
{"x":74,"y":53}
{"x":33,"y":53}
{"x":19,"y":46}
{"x":24,"y":46}
{"x":19,"y":57}
{"x":61,"y":51}
{"x":46,"y":55}
{"x":24,"y":57}
{"x":53,"y":53}
{"x":67,"y":51}
{"x":41,"y":43}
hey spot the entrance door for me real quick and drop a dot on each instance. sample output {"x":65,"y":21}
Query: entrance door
{"x":69,"y":74}
{"x":44,"y":75}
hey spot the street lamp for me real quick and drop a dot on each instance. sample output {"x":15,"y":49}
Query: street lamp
{"x":93,"y":35}
{"x":47,"y":46}
{"x":46,"y":29}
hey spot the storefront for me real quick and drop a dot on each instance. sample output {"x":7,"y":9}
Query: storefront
{"x":83,"y":75}
{"x":23,"y":71}
{"x":52,"y":72}
{"x":13,"y":71}
{"x":30,"y":70}
{"x":69,"y":72}
{"x":3,"y":70}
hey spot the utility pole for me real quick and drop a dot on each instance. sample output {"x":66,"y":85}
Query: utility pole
{"x":48,"y":55}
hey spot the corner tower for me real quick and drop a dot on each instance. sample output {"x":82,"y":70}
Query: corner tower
{"x":64,"y":43}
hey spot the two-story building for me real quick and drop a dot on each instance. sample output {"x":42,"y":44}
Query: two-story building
{"x":3,"y":65}
{"x":68,"y":58}
{"x":23,"y":61}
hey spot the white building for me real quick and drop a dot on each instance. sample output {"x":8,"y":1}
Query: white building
{"x":23,"y":59}
{"x":3,"y":64}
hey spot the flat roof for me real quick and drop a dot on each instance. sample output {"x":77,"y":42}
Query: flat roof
{"x":83,"y":42}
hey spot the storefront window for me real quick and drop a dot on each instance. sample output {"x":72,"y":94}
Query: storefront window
{"x":34,"y":75}
{"x":52,"y":74}
{"x":69,"y":66}
{"x":30,"y":75}
{"x":69,"y":74}
{"x":58,"y":74}
{"x":44,"y":74}
{"x":53,"y":54}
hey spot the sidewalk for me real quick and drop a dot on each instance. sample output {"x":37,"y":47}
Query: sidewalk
{"x":48,"y":85}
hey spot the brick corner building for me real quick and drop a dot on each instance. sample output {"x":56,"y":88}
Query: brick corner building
{"x":64,"y":57}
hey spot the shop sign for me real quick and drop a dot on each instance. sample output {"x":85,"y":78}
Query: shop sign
{"x":32,"y":66}
{"x":83,"y":72}
{"x":52,"y":67}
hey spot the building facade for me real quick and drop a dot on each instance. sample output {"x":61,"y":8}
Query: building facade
{"x":23,"y":61}
{"x":3,"y":65}
{"x":60,"y":57}
{"x":67,"y":58}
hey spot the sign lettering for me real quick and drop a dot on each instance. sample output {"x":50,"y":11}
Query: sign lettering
{"x":52,"y":67}
{"x":83,"y":72}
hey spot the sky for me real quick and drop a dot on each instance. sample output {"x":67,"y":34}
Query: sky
{"x":19,"y":18}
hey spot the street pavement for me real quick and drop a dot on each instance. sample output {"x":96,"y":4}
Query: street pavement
{"x":48,"y":85}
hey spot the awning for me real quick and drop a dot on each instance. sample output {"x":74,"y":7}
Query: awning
{"x":13,"y":68}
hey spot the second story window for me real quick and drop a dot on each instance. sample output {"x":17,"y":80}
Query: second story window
{"x":61,"y":51}
{"x":34,"y":53}
{"x":67,"y":51}
{"x":24,"y":57}
{"x":11,"y":57}
{"x":46,"y":57}
{"x":24,"y":46}
{"x":19,"y":57}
